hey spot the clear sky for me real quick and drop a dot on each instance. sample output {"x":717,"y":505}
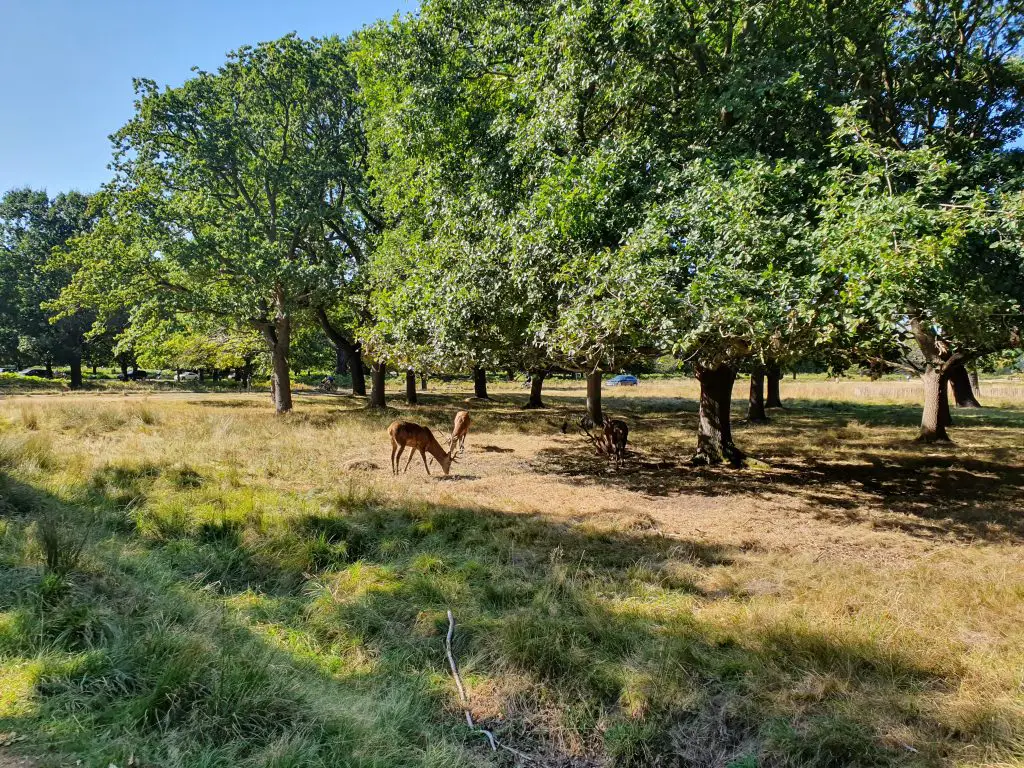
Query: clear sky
{"x":66,"y":68}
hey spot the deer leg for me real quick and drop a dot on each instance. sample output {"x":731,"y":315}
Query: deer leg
{"x":423,"y":453}
{"x":394,"y":464}
{"x":412,"y":455}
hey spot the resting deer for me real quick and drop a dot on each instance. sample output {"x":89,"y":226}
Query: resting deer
{"x":405,"y":433}
{"x":612,"y":440}
{"x":459,"y":431}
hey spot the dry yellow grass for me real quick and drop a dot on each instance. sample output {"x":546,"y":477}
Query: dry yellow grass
{"x":866,"y":573}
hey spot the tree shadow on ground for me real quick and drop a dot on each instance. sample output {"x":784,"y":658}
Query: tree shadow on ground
{"x":316,"y":639}
{"x":923,"y":490}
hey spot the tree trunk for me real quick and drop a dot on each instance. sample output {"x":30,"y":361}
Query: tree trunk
{"x":346,"y":352}
{"x":124,"y":367}
{"x":536,"y":385}
{"x":510,"y":375}
{"x":480,"y":383}
{"x":49,"y":369}
{"x":963,"y":392}
{"x":423,"y":382}
{"x":594,"y":397}
{"x":975,"y":381}
{"x":714,"y":424}
{"x":755,"y":407}
{"x":94,"y":367}
{"x":410,"y":387}
{"x":773,"y":375}
{"x":278,"y":336}
{"x":76,"y":372}
{"x":202,"y":376}
{"x":935,"y":416}
{"x":355,"y":365}
{"x":378,"y":373}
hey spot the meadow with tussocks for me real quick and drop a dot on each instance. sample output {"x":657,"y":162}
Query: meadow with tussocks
{"x":190,"y":580}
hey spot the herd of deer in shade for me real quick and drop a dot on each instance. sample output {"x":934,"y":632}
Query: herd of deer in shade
{"x":611,"y":441}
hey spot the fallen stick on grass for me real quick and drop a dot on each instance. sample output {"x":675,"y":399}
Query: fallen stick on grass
{"x":464,"y":699}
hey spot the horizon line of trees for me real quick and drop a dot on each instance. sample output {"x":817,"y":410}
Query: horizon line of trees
{"x":581,"y":186}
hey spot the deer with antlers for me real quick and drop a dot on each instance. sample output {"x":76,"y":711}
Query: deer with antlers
{"x":406,"y":434}
{"x":611,"y":441}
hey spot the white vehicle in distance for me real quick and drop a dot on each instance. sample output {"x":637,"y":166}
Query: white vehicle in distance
{"x":186,"y":376}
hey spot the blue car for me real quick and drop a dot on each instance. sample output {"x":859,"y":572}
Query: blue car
{"x":623,"y":380}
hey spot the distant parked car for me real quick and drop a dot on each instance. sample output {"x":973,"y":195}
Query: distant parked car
{"x":8,"y":369}
{"x":136,"y":375}
{"x":38,"y":372}
{"x":186,"y":376}
{"x":623,"y":380}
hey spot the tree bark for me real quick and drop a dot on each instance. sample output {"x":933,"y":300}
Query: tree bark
{"x":340,"y":361}
{"x":123,"y":362}
{"x":49,"y":369}
{"x":355,"y":365}
{"x":536,"y":386}
{"x":935,"y":417}
{"x":714,"y":423}
{"x":480,"y":383}
{"x":94,"y":367}
{"x":346,"y":351}
{"x":423,"y":382}
{"x":410,"y":387}
{"x":963,"y":392}
{"x":773,"y":375}
{"x":278,"y":335}
{"x":378,"y":373}
{"x":76,"y":372}
{"x":975,"y":381}
{"x":755,"y":406}
{"x":594,"y":397}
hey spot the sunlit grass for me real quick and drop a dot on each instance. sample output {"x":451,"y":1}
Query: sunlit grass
{"x":245,"y":598}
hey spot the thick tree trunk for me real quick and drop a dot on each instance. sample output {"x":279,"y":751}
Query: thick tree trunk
{"x":975,"y":382}
{"x":410,"y":387}
{"x":278,"y":336}
{"x":935,"y":416}
{"x":536,"y":386}
{"x":755,"y":406}
{"x":963,"y":392}
{"x":423,"y":382}
{"x":76,"y":372}
{"x":480,"y":383}
{"x":124,"y":367}
{"x":378,"y":374}
{"x":49,"y":369}
{"x":714,"y":424}
{"x":594,"y":397}
{"x":355,"y":365}
{"x":202,"y":376}
{"x":94,"y":367}
{"x":510,"y":375}
{"x":347,"y":353}
{"x":773,"y":375}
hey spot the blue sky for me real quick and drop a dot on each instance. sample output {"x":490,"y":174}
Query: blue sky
{"x":66,"y":68}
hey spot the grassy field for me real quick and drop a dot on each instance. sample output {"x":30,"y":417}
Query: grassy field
{"x":186,"y":580}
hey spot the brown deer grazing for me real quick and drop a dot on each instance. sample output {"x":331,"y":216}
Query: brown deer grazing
{"x":405,"y":433}
{"x":612,"y":439}
{"x":459,"y":431}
